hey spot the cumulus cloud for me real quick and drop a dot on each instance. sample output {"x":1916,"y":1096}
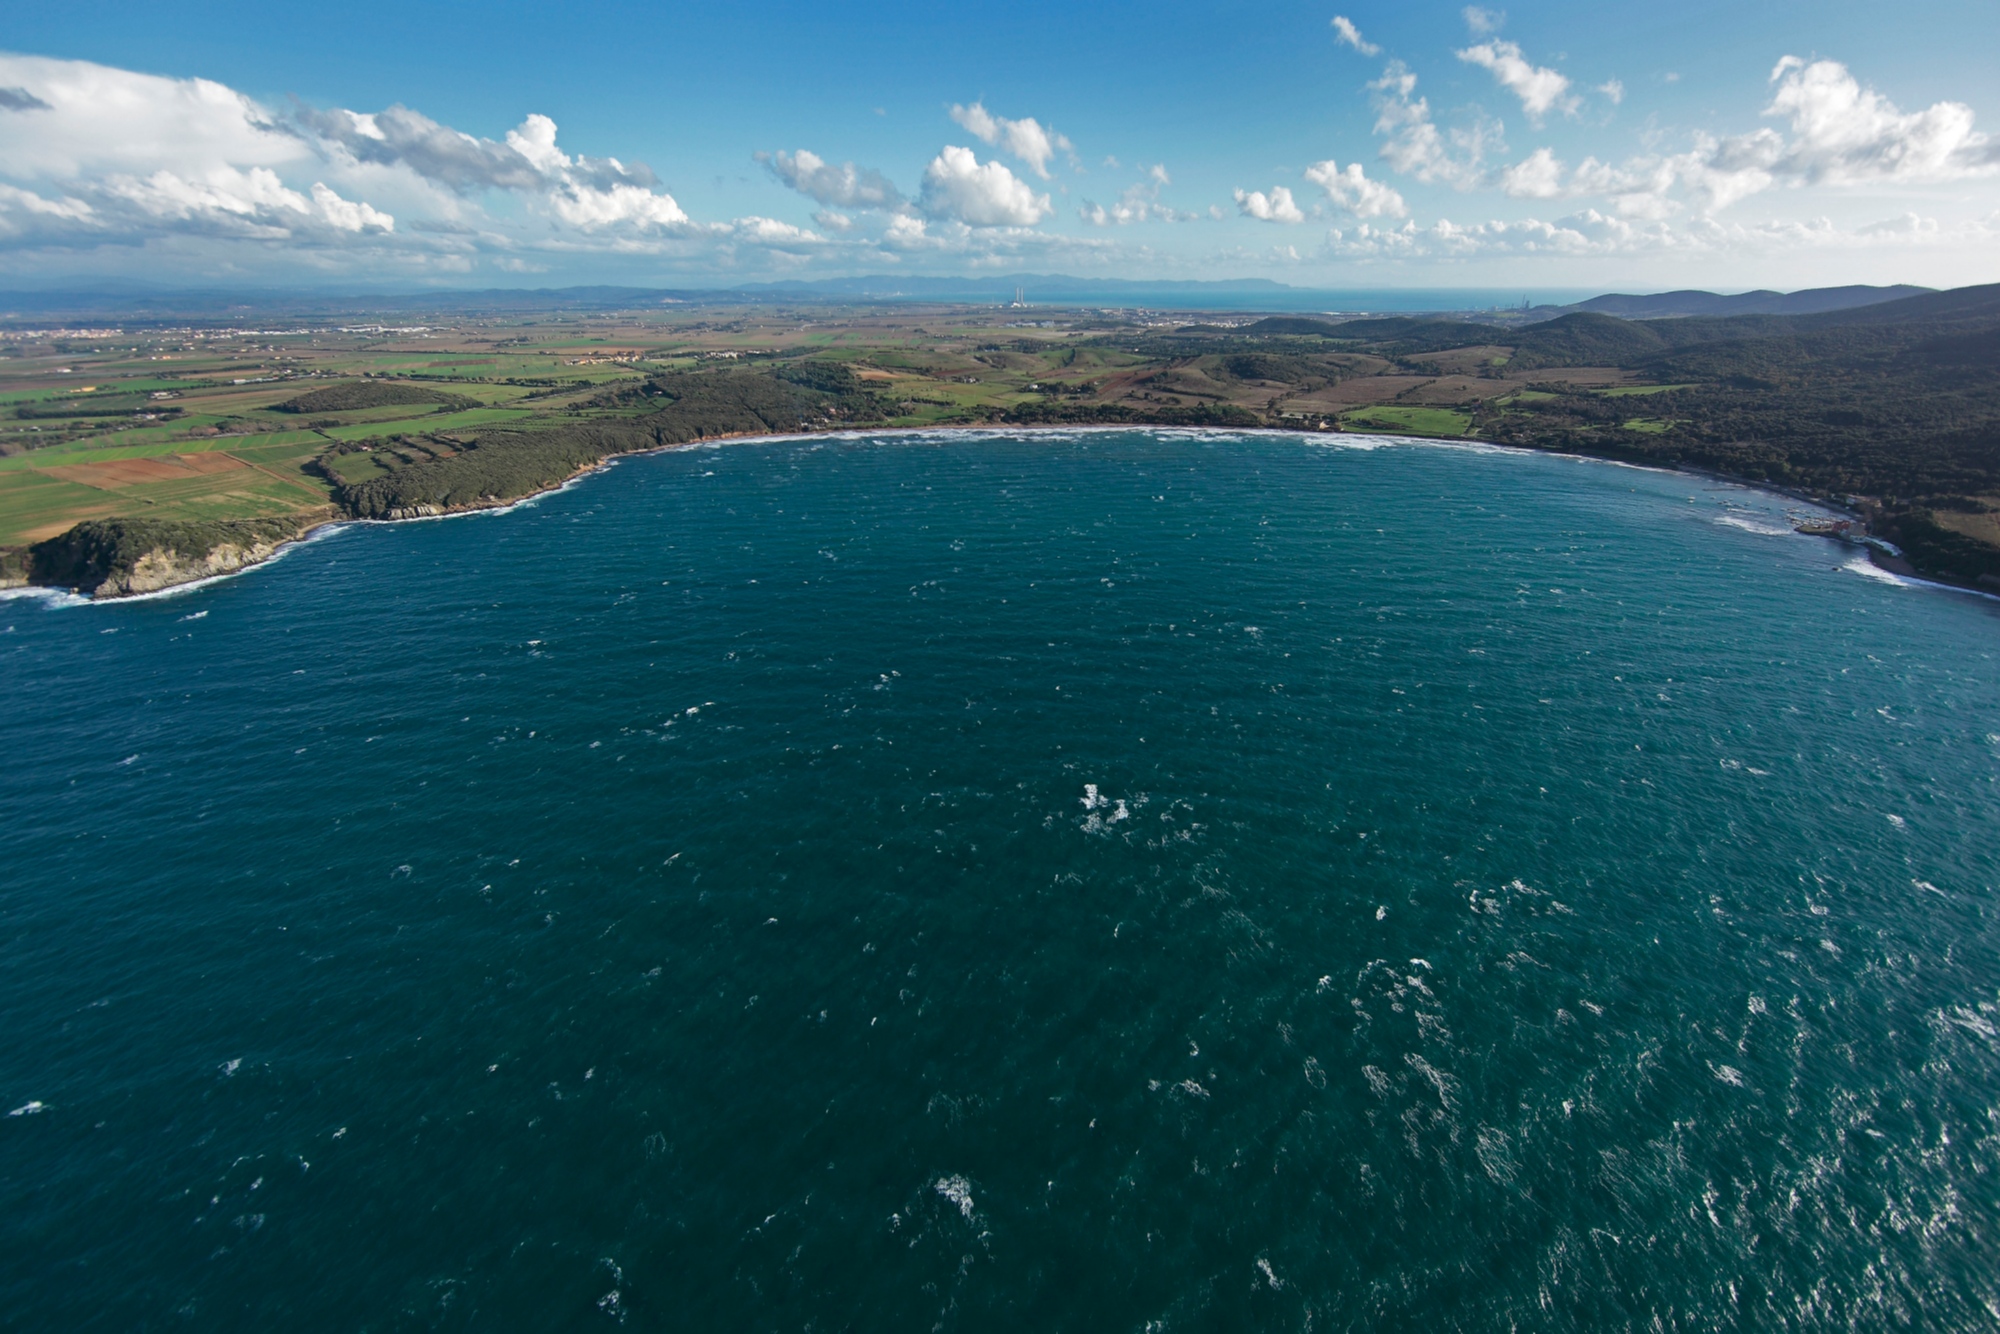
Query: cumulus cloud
{"x":401,"y":137}
{"x":1591,"y":233}
{"x":1841,"y":134}
{"x":1345,"y":31}
{"x":1349,"y":188}
{"x":1413,"y":144}
{"x":1538,"y":176}
{"x":1139,"y":203}
{"x":1024,"y":139}
{"x":73,"y":118}
{"x":771,"y":232}
{"x":97,"y":154}
{"x":1844,"y":133}
{"x":958,"y":186}
{"x":1483,"y":21}
{"x":122,"y":157}
{"x":1277,"y":206}
{"x":591,"y":192}
{"x":1613,"y":90}
{"x":1540,"y":89}
{"x":844,"y":186}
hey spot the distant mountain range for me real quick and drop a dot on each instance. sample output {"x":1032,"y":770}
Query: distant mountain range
{"x":1669,"y":305}
{"x":1039,"y":290}
{"x":1042,"y":290}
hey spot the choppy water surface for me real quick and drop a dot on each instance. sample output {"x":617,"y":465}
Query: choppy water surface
{"x":1109,"y":881}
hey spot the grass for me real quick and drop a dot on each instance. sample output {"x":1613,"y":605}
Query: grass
{"x":422,"y":425}
{"x":1641,"y":390}
{"x":34,"y":505}
{"x":1444,"y":423}
{"x":1651,"y":425}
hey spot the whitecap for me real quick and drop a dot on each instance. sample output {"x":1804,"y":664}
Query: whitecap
{"x":1868,"y":569}
{"x":958,"y":1190}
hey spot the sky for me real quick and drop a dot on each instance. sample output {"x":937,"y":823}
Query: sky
{"x":1564,"y":145}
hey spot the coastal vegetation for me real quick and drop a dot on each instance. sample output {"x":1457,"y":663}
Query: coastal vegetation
{"x":1891,"y":410}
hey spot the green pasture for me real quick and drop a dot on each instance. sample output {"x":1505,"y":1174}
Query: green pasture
{"x":1444,"y":423}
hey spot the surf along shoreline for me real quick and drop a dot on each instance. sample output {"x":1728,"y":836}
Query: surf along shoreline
{"x":157,"y":569}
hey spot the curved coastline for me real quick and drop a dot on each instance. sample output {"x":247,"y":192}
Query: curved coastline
{"x":58,"y":595}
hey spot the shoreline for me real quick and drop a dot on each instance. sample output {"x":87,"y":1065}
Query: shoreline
{"x":326,"y":526}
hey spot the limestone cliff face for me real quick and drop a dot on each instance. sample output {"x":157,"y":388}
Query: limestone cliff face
{"x":164,"y":567}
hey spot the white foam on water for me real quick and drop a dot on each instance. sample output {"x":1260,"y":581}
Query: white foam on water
{"x":53,"y":598}
{"x":1751,"y":525}
{"x":35,"y":1108}
{"x":1868,"y":569}
{"x":958,"y":1190}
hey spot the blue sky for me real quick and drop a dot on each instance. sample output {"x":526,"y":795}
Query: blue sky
{"x":1412,"y":145}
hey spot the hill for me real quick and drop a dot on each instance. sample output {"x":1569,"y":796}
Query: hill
{"x":1813,"y":301}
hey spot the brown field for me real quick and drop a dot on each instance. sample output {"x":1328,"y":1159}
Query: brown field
{"x":116,"y":473}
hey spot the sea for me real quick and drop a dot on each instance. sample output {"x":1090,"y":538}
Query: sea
{"x":1076,"y":881}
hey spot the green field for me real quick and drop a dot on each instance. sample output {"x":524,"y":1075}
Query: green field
{"x":1443,"y":423}
{"x":1641,"y":390}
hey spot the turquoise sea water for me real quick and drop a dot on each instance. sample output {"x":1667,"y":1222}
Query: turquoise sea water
{"x":1120,"y":881}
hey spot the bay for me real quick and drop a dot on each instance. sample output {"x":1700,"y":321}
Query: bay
{"x":1074,"y":880}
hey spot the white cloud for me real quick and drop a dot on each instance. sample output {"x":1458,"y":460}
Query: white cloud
{"x":1350,"y":188}
{"x":587,"y":192}
{"x":905,"y":232}
{"x":1024,"y":139}
{"x":402,"y":137}
{"x":1844,"y":133}
{"x":1345,"y":31}
{"x":1841,"y":134}
{"x":1540,"y":89}
{"x":771,"y":232}
{"x":1139,"y":203}
{"x":960,"y":187}
{"x":1483,"y":21}
{"x":1413,"y":144}
{"x":1274,"y":207}
{"x":94,"y":157}
{"x":1614,"y":90}
{"x":833,"y":221}
{"x":98,"y":154}
{"x":73,"y":118}
{"x":844,"y":186}
{"x":1538,"y":176}
{"x":349,"y":216}
{"x":1593,"y":234}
